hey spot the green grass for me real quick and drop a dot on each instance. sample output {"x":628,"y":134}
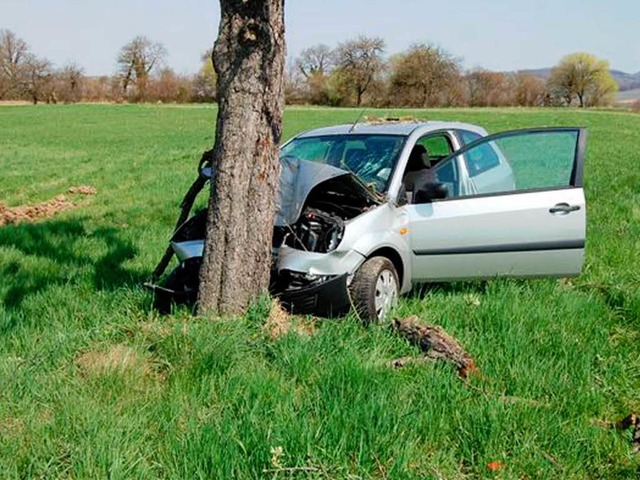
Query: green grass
{"x":198,"y":398}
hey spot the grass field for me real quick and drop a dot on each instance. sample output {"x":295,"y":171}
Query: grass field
{"x":93,"y":384}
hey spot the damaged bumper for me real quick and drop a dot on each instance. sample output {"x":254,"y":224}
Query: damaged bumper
{"x":327,"y":297}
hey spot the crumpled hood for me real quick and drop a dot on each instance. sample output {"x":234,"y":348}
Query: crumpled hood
{"x":298,"y":178}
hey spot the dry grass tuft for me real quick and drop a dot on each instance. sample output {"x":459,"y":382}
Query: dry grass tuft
{"x":280,"y":323}
{"x":82,"y":190}
{"x":11,"y":427}
{"x":119,"y":359}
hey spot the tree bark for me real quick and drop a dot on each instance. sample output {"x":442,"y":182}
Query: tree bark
{"x":249,"y":60}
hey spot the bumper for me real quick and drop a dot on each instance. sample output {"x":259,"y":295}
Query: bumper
{"x":326,"y":299}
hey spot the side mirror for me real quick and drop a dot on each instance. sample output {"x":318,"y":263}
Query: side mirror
{"x":430,"y":191}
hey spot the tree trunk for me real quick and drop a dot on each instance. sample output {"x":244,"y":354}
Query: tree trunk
{"x":249,"y":60}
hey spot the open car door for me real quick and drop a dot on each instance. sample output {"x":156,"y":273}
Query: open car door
{"x":515,"y":206}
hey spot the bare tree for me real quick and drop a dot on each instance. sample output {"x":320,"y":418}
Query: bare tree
{"x":528,"y":90}
{"x":488,"y":89}
{"x":70,"y":83}
{"x":585,"y":77}
{"x":423,"y":76}
{"x":38,"y":73}
{"x":13,"y":56}
{"x":168,"y":87}
{"x":249,"y":60}
{"x":359,"y":61}
{"x":136,"y":61}
{"x":316,"y":60}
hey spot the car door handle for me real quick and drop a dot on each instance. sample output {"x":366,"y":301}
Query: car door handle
{"x":564,"y":209}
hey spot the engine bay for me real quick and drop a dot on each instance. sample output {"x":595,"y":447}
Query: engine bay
{"x":329,"y":205}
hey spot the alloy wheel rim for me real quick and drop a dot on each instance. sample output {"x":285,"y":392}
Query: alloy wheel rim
{"x":386,"y":294}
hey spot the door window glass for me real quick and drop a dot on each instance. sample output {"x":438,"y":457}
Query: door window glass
{"x":530,"y":160}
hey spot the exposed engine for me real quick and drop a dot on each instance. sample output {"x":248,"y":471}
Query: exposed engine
{"x":320,"y":227}
{"x":316,"y":231}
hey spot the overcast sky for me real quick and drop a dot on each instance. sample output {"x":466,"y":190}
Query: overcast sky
{"x":495,"y":34}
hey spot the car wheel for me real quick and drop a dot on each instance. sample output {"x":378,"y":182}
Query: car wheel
{"x":183,"y":281}
{"x":374,"y":289}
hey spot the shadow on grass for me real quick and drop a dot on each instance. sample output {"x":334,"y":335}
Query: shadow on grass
{"x":67,"y":243}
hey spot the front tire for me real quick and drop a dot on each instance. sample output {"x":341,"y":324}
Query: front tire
{"x":374,"y":290}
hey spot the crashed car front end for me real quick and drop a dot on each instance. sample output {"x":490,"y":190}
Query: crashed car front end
{"x":311,"y":265}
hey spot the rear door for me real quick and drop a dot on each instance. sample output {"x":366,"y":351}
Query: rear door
{"x":517,"y":208}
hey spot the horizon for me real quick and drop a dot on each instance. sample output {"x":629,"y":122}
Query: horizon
{"x":92,"y":39}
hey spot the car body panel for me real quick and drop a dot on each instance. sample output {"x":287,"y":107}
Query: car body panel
{"x":512,"y":235}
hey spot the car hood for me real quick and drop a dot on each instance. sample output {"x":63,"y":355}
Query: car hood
{"x":299,"y":177}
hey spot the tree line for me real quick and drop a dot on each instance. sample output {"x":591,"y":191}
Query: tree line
{"x":354,"y":73}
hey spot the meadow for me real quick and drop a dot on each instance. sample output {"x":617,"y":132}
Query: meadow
{"x":94,"y":384}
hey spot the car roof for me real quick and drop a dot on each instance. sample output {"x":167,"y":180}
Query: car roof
{"x":392,"y":128}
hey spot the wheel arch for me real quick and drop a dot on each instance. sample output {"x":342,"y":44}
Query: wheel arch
{"x":395,"y":258}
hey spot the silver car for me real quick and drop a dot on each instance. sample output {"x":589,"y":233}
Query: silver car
{"x":367,"y":211}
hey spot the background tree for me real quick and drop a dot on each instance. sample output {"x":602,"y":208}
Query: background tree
{"x":38,"y":74}
{"x":358,"y":63}
{"x":528,"y":90}
{"x":69,"y":83}
{"x":487,"y":89}
{"x":316,"y":60}
{"x":423,"y":76}
{"x":169,"y":87}
{"x":585,"y":77}
{"x":204,"y":83}
{"x":13,"y":57}
{"x":136,"y":61}
{"x":249,"y":61}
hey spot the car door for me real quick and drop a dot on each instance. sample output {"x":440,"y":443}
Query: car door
{"x":528,"y":221}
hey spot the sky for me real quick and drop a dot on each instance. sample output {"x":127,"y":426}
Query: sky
{"x":495,"y":34}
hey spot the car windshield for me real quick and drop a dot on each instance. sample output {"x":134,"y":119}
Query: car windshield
{"x":370,"y":157}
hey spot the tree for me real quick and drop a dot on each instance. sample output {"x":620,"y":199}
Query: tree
{"x":204,"y":84}
{"x":316,"y":60}
{"x":249,"y":61}
{"x":359,"y":61}
{"x":170,"y":87}
{"x":487,"y":89}
{"x":38,"y":74}
{"x":13,"y":56}
{"x":528,"y":90}
{"x":423,"y":76}
{"x":585,"y":77}
{"x":70,"y":83}
{"x":136,"y":61}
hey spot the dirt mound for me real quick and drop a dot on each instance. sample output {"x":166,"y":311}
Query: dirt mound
{"x":47,"y":209}
{"x":31,"y":213}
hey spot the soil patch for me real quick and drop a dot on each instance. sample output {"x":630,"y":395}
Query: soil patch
{"x":46,"y":209}
{"x":31,"y":213}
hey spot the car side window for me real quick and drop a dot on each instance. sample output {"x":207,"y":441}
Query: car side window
{"x":438,"y":146}
{"x":479,"y":160}
{"x":468,"y":137}
{"x":526,"y":161}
